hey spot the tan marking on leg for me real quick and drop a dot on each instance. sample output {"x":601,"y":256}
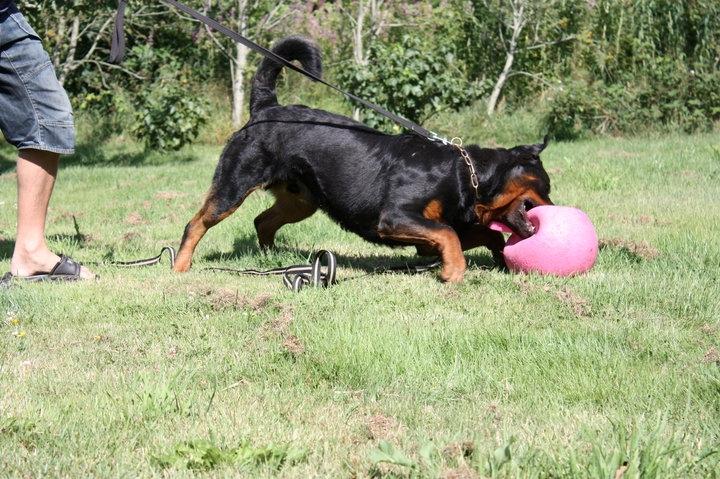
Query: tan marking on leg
{"x":288,"y":208}
{"x":203,"y":220}
{"x":442,"y":239}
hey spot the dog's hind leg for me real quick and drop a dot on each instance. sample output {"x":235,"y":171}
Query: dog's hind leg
{"x":218,"y":206}
{"x":292,"y":204}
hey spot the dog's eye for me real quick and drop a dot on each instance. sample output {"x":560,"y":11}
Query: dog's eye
{"x":528,"y":205}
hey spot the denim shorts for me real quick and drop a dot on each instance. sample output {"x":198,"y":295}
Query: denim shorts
{"x":35,"y":111}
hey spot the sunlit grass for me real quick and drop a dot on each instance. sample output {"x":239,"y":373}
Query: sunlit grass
{"x":501,"y":376}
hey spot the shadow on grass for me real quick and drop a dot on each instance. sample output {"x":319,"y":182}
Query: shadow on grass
{"x":7,"y":245}
{"x":6,"y":249}
{"x":7,"y":162}
{"x":90,"y":154}
{"x":247,"y":245}
{"x":97,"y":154}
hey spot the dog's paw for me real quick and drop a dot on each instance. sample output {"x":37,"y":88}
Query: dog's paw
{"x":452,"y":275}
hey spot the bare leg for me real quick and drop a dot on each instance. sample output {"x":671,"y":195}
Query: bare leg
{"x":36,"y":173}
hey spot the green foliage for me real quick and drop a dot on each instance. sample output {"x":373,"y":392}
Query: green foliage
{"x":166,"y":114}
{"x":169,"y":118}
{"x":410,"y":77}
{"x":667,"y":96}
{"x":204,"y":455}
{"x":113,"y":370}
{"x":592,"y":67}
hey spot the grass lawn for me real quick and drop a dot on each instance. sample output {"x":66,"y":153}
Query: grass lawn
{"x":149,"y":373}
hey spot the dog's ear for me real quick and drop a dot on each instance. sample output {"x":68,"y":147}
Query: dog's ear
{"x":538,"y":148}
{"x":533,"y":150}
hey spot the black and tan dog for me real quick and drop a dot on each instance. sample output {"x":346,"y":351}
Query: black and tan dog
{"x":393,"y":190}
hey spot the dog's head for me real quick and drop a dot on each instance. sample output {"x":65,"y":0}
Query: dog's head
{"x":512,"y":181}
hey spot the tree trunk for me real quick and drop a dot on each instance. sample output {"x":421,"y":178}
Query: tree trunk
{"x":518,"y":22}
{"x":237,"y":68}
{"x":358,"y":47}
{"x":68,"y":65}
{"x":500,"y":83}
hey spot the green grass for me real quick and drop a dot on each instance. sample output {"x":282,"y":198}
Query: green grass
{"x":148,"y":373}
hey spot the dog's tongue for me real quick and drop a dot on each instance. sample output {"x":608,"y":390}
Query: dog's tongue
{"x":501,"y":227}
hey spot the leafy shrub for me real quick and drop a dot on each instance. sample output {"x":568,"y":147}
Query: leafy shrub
{"x":410,"y":78}
{"x":667,"y":96}
{"x":168,"y":118}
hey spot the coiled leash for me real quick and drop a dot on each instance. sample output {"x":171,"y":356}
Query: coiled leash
{"x":320,"y":273}
{"x":295,"y":277}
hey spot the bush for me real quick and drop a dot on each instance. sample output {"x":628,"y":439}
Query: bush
{"x":411,"y":78}
{"x":168,"y":118}
{"x":667,"y":96}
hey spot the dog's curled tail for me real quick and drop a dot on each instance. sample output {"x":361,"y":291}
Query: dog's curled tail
{"x":291,"y":48}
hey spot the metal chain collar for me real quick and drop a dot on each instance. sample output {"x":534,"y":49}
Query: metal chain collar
{"x":457,"y":143}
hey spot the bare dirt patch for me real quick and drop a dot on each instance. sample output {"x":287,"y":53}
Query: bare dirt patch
{"x":135,"y":218}
{"x":293,"y":345}
{"x":169,"y":195}
{"x":712,"y":356}
{"x":384,"y":427}
{"x":641,"y":250}
{"x":225,"y":298}
{"x":459,"y":449}
{"x":708,"y":329}
{"x":281,"y":323}
{"x":462,"y":472}
{"x":577,"y":304}
{"x":260,"y":301}
{"x":130,"y":235}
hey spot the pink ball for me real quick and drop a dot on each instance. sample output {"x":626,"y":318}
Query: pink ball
{"x":564,"y":244}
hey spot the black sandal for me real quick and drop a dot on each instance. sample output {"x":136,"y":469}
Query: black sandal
{"x":65,"y":270}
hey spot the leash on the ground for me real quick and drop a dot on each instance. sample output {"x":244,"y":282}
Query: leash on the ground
{"x":149,"y":261}
{"x":297,"y":276}
{"x":320,"y":273}
{"x":117,"y":53}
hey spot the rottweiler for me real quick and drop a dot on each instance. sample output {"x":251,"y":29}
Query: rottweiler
{"x":395,"y":190}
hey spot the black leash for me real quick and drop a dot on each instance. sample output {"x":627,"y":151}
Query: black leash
{"x":320,"y":273}
{"x":297,"y":276}
{"x":294,"y":277}
{"x":150,"y":261}
{"x":117,"y":53}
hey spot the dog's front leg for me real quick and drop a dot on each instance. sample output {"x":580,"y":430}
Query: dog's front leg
{"x":417,"y":230}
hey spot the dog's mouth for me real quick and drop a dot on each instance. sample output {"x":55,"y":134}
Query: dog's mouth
{"x":516,"y":221}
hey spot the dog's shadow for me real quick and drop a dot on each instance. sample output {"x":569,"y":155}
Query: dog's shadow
{"x":247,"y":246}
